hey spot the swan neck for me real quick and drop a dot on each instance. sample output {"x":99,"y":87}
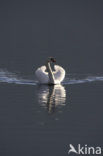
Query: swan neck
{"x":50,"y":73}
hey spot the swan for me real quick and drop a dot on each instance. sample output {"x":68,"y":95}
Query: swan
{"x":46,"y":75}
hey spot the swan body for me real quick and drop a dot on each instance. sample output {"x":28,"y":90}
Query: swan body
{"x":45,"y":75}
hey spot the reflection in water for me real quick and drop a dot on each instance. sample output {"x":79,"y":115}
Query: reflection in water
{"x":51,"y":96}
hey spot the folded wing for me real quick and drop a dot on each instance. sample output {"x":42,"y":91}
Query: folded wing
{"x":42,"y":75}
{"x":59,"y":73}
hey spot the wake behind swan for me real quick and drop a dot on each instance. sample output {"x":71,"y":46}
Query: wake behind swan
{"x":70,"y":79}
{"x":9,"y":77}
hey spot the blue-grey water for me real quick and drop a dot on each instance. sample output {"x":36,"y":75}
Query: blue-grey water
{"x":44,"y":120}
{"x":36,"y":119}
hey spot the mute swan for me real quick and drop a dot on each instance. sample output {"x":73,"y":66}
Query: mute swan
{"x":45,"y":75}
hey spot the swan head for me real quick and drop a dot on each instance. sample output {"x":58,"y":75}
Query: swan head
{"x":51,"y":59}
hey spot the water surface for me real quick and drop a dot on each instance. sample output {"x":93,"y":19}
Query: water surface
{"x":38,"y":119}
{"x":43,"y":120}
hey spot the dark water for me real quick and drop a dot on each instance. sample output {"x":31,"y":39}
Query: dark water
{"x":40,"y":119}
{"x":37,"y":119}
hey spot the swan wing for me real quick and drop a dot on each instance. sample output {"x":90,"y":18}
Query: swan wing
{"x":59,"y":73}
{"x":42,"y":75}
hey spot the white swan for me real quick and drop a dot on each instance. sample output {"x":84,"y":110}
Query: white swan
{"x":45,"y":75}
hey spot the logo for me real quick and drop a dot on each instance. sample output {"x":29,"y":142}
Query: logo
{"x":84,"y":149}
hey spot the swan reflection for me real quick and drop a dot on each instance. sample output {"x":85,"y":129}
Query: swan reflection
{"x":51,"y":97}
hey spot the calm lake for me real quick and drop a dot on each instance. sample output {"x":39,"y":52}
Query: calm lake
{"x":38,"y":119}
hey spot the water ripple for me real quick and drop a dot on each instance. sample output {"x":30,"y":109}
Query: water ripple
{"x":86,"y":79}
{"x":8,"y":77}
{"x":71,"y":79}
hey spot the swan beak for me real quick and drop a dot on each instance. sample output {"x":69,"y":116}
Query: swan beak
{"x":53,"y":60}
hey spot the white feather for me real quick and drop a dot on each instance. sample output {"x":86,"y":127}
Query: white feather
{"x":59,"y":74}
{"x":42,"y":75}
